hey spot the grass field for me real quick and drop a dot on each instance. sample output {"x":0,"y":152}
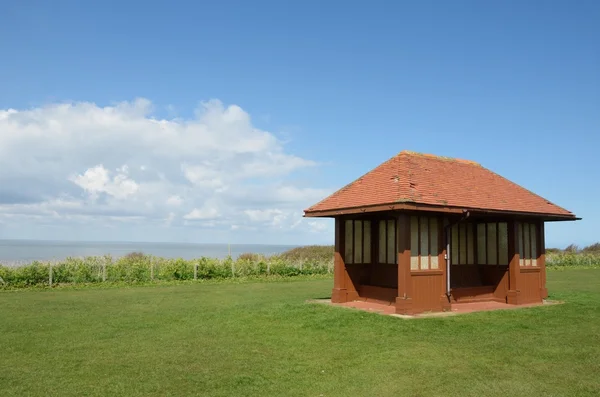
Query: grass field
{"x":262,"y":339}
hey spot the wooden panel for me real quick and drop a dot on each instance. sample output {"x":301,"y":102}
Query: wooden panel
{"x":529,"y":285}
{"x":496,"y":276}
{"x":383,"y":275}
{"x":464,"y":276}
{"x":501,"y":290}
{"x":473,"y":294}
{"x":355,"y":276}
{"x":378,"y":294}
{"x":338,"y":294}
{"x":404,"y":299}
{"x":426,"y":291}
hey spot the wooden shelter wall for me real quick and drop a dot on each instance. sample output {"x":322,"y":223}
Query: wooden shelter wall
{"x":529,"y":286}
{"x":427,"y":288}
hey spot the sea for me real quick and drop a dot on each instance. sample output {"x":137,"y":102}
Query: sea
{"x":20,"y":252}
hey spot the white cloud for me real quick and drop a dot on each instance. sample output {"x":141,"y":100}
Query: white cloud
{"x":203,"y":213}
{"x":317,"y":226}
{"x":174,"y":201}
{"x":97,"y":180}
{"x":80,"y":162}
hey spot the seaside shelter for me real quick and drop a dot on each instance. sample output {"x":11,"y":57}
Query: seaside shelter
{"x":423,"y":232}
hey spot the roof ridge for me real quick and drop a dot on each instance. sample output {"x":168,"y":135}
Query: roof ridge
{"x":436,"y":157}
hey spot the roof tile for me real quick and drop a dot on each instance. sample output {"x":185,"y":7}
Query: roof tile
{"x":411,"y":177}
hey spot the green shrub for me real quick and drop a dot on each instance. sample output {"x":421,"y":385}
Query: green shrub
{"x":138,"y":267}
{"x":316,"y":253}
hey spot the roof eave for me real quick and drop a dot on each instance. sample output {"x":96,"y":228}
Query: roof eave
{"x":332,"y":213}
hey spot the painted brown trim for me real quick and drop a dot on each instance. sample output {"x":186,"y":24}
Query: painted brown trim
{"x":435,"y":272}
{"x":529,"y":269}
{"x":404,"y":299}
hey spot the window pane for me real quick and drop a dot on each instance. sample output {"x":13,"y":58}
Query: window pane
{"x":533,"y":231}
{"x":520,"y":244}
{"x":492,"y":257}
{"x":454,"y":248}
{"x":367,"y":239}
{"x":424,"y":243}
{"x":481,"y":246}
{"x":470,"y":245}
{"x":503,"y":239}
{"x":462,"y":241}
{"x":358,"y":243}
{"x":434,"y":247}
{"x":414,"y":243}
{"x":348,"y":243}
{"x":526,"y":241}
{"x":391,"y":241}
{"x":382,"y":239}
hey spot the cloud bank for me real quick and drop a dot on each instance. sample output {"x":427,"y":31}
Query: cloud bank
{"x":86,"y":164}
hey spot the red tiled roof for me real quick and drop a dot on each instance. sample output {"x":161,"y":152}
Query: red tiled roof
{"x":439,"y":181}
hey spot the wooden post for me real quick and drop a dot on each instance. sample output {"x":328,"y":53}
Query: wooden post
{"x":232,"y":269}
{"x":443,"y":265}
{"x":195,"y":271}
{"x":50,"y":273}
{"x":151,"y":268}
{"x":514,"y":270}
{"x":404,"y":299}
{"x":542,"y":260}
{"x":339,"y":293}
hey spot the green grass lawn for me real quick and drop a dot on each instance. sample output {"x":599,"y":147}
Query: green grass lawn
{"x":262,"y":339}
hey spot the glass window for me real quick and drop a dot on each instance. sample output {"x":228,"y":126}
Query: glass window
{"x":382,"y":242}
{"x":520,"y":244}
{"x":367,"y":240}
{"x":391,"y":241}
{"x":503,"y":243}
{"x":470,"y":245}
{"x":424,"y":226}
{"x":434,"y":247}
{"x":533,"y":233}
{"x":414,"y":243}
{"x":358,"y":242}
{"x":462,"y":242}
{"x":348,"y":243}
{"x":526,"y":244}
{"x":492,"y":254}
{"x":454,"y":248}
{"x":481,"y":244}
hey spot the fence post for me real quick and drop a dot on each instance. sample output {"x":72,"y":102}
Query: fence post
{"x":151,"y":268}
{"x":232,"y":269}
{"x":195,"y":271}
{"x":50,"y":273}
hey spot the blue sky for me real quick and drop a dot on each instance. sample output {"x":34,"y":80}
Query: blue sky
{"x":315,"y":92}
